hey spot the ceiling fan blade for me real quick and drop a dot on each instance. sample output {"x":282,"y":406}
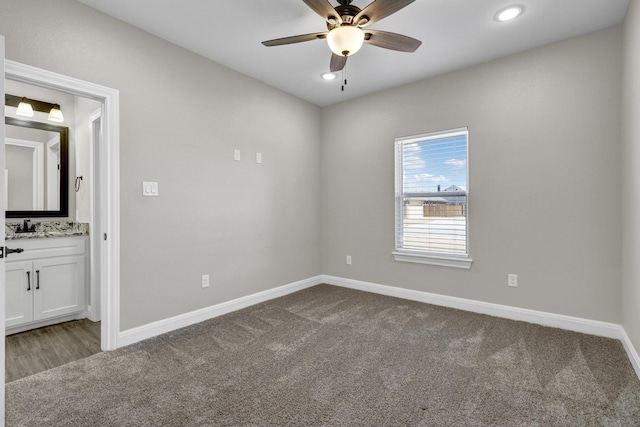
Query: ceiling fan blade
{"x":324,"y":9}
{"x":295,"y":39}
{"x":391,"y":41}
{"x":379,"y":9}
{"x":337,"y":62}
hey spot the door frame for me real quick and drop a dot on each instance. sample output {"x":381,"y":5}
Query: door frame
{"x":2,"y":240}
{"x":96,"y":177}
{"x":108,"y":190}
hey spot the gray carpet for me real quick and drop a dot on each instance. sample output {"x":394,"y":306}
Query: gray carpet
{"x":328,"y":356}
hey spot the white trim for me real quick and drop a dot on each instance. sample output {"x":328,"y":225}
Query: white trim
{"x":631,"y":351}
{"x":110,"y":192}
{"x":96,"y":256}
{"x":577,"y":324}
{"x":2,"y":243}
{"x":421,"y":258}
{"x":109,"y":163}
{"x":131,"y":336}
{"x":464,"y":130}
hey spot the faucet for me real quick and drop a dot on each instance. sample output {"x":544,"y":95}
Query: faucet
{"x":26,"y":228}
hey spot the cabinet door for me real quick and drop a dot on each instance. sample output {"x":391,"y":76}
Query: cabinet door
{"x":19,"y":293}
{"x":59,"y":286}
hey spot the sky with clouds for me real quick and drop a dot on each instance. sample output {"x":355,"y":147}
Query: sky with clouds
{"x":437,"y":162}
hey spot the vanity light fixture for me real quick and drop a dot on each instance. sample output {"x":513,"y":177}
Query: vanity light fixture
{"x":55,"y":114}
{"x":509,"y":13}
{"x":26,"y":107}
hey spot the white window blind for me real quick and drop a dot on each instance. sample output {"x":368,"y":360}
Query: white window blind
{"x":431,"y":194}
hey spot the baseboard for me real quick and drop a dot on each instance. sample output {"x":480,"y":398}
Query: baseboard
{"x":631,"y":351}
{"x":576,"y":324}
{"x":131,"y":336}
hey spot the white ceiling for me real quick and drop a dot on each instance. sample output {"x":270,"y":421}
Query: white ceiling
{"x":455,"y":34}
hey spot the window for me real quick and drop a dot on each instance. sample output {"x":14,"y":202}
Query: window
{"x":431,"y":199}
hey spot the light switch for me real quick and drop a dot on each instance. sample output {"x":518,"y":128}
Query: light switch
{"x":149,"y":189}
{"x":258,"y":157}
{"x":236,"y":155}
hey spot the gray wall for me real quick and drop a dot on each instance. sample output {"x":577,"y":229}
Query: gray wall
{"x":82,"y":132}
{"x":252,"y":227}
{"x":631,"y":175}
{"x":544,"y":197}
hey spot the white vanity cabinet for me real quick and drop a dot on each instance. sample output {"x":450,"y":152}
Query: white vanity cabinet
{"x":46,"y":283}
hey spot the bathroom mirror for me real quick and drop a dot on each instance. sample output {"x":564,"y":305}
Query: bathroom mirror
{"x":36,"y":169}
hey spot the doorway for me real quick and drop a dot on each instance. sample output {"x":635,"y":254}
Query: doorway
{"x":37,"y":350}
{"x":105,"y":235}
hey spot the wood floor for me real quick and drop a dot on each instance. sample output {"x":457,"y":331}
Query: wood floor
{"x":38,"y":350}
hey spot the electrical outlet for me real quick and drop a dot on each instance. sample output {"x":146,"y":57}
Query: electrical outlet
{"x":236,"y":155}
{"x":205,"y":280}
{"x":258,"y":157}
{"x":512,"y":280}
{"x":348,"y":259}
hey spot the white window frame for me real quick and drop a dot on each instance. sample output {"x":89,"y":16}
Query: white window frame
{"x":419,"y":256}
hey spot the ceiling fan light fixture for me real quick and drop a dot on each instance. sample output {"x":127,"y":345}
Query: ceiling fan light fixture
{"x":509,"y":13}
{"x":345,"y":40}
{"x":329,"y":76}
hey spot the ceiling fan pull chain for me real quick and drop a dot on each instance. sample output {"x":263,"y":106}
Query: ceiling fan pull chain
{"x":344,"y":76}
{"x":346,"y":30}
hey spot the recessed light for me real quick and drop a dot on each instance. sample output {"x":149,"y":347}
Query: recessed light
{"x":509,"y":13}
{"x":329,"y":76}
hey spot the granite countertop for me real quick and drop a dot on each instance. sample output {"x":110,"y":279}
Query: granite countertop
{"x":47,"y":230}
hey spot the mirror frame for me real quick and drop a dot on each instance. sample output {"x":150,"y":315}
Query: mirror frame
{"x":64,"y":169}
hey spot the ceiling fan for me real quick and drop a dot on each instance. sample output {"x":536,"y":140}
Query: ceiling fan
{"x":347,"y":29}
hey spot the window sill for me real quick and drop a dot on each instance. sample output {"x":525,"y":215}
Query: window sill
{"x":440,"y":260}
